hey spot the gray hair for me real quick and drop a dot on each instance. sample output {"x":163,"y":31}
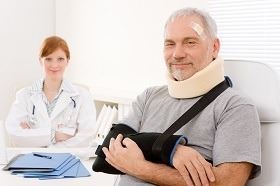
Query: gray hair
{"x":208,"y":22}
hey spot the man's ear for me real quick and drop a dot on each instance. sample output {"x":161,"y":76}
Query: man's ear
{"x":216,"y":47}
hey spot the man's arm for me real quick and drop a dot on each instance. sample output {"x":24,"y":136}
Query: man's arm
{"x":130,"y":160}
{"x":159,"y":174}
{"x":232,"y":174}
{"x":225,"y":174}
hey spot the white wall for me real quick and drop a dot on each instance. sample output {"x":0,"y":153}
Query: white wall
{"x":117,"y":44}
{"x":23,"y":26}
{"x":114,"y":44}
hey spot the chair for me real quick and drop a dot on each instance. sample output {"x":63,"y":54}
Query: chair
{"x":260,"y":82}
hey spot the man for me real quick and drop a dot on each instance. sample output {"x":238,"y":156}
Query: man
{"x":226,"y":133}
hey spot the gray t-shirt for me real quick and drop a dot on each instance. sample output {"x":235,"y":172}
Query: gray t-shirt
{"x":227,"y":130}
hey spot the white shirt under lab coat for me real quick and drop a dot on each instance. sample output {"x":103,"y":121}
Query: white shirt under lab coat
{"x":74,"y":109}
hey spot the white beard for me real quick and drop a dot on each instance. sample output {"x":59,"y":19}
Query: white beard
{"x":178,"y":75}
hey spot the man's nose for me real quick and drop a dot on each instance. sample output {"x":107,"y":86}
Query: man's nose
{"x":179,"y":52}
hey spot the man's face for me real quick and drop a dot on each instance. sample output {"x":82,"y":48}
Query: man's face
{"x":187,"y":47}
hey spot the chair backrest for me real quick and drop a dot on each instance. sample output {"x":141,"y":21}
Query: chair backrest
{"x":260,"y":82}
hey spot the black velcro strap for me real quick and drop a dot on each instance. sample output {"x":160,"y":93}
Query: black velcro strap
{"x":187,"y":116}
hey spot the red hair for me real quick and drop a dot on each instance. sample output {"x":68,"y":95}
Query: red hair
{"x":53,"y":43}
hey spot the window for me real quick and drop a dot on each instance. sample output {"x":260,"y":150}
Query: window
{"x":249,"y":30}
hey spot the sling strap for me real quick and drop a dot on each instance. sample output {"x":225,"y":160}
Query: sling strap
{"x":201,"y":104}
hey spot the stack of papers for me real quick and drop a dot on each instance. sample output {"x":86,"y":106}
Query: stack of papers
{"x":108,"y":115}
{"x":47,"y":166}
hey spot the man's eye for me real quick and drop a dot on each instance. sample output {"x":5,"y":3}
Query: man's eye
{"x":190,"y":43}
{"x":168,"y":44}
{"x":48,"y":59}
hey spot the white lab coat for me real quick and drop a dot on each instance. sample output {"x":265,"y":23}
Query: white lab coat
{"x":74,"y":109}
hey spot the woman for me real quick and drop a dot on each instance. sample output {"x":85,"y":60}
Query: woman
{"x":53,"y":111}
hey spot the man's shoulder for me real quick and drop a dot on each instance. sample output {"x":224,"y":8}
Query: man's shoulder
{"x":157,"y":89}
{"x":235,"y":97}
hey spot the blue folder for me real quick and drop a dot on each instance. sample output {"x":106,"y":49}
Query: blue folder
{"x":52,"y":173}
{"x":30,"y":170}
{"x":47,"y":166}
{"x":78,"y":170}
{"x":30,"y":161}
{"x":74,"y":169}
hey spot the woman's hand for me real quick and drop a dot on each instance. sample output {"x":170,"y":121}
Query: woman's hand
{"x":59,"y":136}
{"x":24,"y":125}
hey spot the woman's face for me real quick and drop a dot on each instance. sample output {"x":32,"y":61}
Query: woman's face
{"x":54,"y":65}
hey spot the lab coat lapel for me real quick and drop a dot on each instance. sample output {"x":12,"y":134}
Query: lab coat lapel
{"x":62,"y":102}
{"x":40,"y":107}
{"x":64,"y":98}
{"x":36,"y":99}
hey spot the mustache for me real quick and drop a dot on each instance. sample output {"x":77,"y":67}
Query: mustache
{"x":179,"y":62}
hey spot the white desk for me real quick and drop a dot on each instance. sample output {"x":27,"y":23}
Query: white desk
{"x":96,"y":179}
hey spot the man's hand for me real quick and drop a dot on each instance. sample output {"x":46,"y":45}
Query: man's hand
{"x":59,"y":136}
{"x":124,"y":155}
{"x":192,"y":166}
{"x":24,"y":125}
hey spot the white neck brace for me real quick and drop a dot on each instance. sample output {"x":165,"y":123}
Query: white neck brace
{"x":200,"y":83}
